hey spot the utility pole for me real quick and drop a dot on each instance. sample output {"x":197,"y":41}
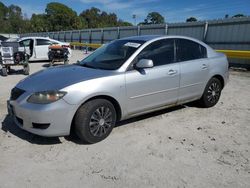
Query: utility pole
{"x":134,"y":17}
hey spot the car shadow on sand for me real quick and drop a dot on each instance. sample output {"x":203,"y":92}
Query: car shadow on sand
{"x":75,"y":139}
{"x":149,"y":115}
{"x":47,"y":65}
{"x":8,"y":125}
{"x":15,"y":71}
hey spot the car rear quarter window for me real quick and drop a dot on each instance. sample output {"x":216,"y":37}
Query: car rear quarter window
{"x":189,"y":50}
{"x":43,"y":42}
{"x":160,"y":52}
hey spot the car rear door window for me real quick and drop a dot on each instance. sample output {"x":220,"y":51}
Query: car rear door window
{"x":43,"y":42}
{"x":160,"y":52}
{"x":189,"y":50}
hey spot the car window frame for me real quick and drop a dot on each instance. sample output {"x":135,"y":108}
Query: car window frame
{"x":203,"y":56}
{"x":44,"y":44}
{"x":135,"y":60}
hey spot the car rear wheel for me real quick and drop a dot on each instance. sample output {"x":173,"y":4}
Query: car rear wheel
{"x":95,"y":120}
{"x":26,"y":70}
{"x":211,"y":93}
{"x":4,"y":71}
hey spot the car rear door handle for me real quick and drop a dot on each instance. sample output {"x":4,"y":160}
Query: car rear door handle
{"x":172,"y":72}
{"x":204,"y":66}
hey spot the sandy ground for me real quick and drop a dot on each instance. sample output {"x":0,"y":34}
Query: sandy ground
{"x":185,"y":146}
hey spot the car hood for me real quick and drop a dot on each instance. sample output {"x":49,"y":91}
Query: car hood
{"x":60,"y":77}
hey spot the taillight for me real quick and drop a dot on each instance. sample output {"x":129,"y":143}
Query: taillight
{"x":65,"y":46}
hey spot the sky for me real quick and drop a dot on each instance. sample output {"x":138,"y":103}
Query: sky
{"x":171,"y":10}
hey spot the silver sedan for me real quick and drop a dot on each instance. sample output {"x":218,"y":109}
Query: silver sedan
{"x":120,"y":80}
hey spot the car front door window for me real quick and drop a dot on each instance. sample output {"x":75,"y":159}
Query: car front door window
{"x":160,"y":52}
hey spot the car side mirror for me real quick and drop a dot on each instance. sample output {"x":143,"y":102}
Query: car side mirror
{"x":144,"y":63}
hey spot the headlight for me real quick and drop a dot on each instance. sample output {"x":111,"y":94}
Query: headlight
{"x":46,"y":97}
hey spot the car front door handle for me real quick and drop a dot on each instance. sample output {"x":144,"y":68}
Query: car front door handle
{"x":172,"y":72}
{"x":204,"y":66}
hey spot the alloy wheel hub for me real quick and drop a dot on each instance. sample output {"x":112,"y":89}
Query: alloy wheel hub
{"x":213,"y":92}
{"x":101,"y":122}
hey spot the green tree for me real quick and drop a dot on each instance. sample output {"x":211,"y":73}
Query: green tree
{"x":57,"y":17}
{"x":39,"y":23}
{"x":15,"y":19}
{"x":154,"y":18}
{"x":61,"y":17}
{"x":95,"y":18}
{"x":91,"y":17}
{"x":123,"y":23}
{"x":191,"y":19}
{"x":12,"y":19}
{"x":4,"y":12}
{"x":238,"y":16}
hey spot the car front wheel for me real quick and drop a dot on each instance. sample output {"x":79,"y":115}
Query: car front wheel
{"x":211,"y":93}
{"x":95,"y":120}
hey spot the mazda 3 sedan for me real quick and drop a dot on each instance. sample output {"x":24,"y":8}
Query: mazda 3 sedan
{"x":120,"y":80}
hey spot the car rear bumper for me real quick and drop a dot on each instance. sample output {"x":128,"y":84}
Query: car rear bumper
{"x":44,"y":120}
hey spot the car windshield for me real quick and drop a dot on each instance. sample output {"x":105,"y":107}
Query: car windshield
{"x":112,"y":56}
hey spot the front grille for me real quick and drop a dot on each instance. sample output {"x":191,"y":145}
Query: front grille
{"x":16,"y":93}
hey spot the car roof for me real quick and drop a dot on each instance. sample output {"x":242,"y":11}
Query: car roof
{"x":146,"y":38}
{"x":143,"y":37}
{"x":23,"y":38}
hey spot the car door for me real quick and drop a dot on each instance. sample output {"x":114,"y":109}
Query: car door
{"x":194,"y":69}
{"x":42,"y":48}
{"x":25,"y":46}
{"x":154,"y":87}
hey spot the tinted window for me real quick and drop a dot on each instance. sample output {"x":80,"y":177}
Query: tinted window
{"x":189,"y":50}
{"x":203,"y":51}
{"x":41,"y":42}
{"x":160,"y":52}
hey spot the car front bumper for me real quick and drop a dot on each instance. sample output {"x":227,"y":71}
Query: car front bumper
{"x":45,"y":120}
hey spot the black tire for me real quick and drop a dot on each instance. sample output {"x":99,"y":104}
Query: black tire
{"x":26,"y":70}
{"x":9,"y":70}
{"x":4,"y":71}
{"x":95,"y":120}
{"x":211,"y":93}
